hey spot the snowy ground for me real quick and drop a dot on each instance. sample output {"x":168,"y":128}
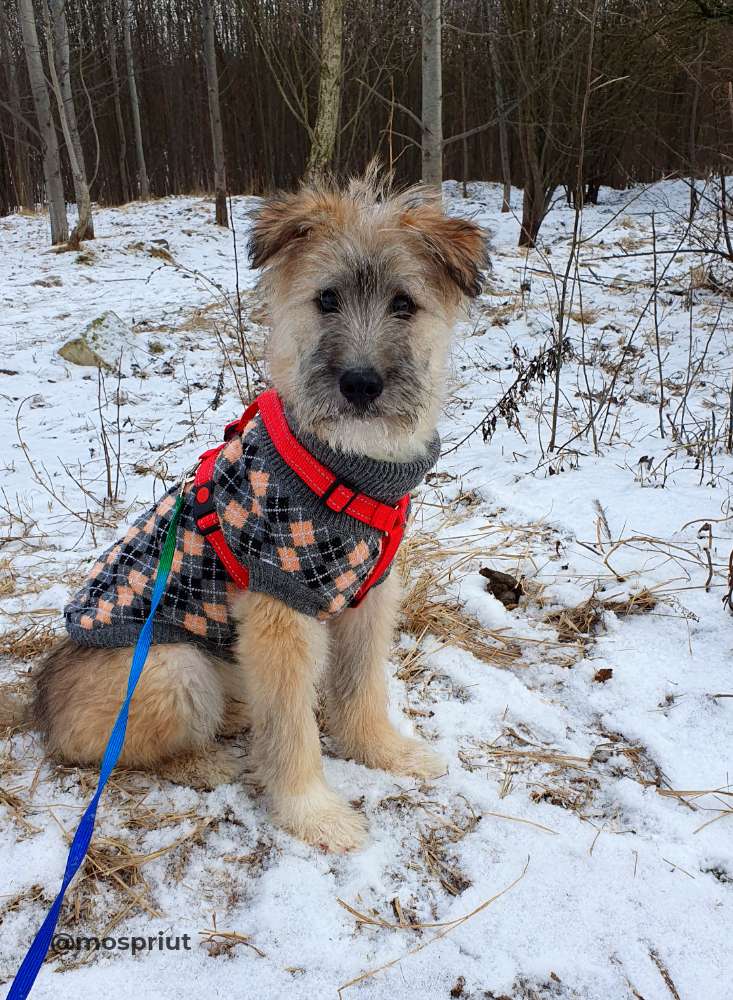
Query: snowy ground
{"x":589,"y":751}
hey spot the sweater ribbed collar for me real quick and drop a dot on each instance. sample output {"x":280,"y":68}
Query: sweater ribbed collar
{"x":382,"y":480}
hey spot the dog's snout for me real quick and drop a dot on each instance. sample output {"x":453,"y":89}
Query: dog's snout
{"x":361,"y":385}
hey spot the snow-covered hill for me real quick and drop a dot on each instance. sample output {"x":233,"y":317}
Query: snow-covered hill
{"x":588,"y":729}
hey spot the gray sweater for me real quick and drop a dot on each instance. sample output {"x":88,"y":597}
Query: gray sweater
{"x":294,"y":547}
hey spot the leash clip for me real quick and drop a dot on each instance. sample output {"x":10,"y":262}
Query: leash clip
{"x":188,"y":478}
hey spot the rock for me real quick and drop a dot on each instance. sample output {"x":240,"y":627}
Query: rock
{"x":101,"y":344}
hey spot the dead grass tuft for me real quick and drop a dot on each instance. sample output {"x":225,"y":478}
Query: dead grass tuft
{"x":424,"y":613}
{"x":585,"y":621}
{"x":26,"y":643}
{"x":113,"y":864}
{"x":18,"y":809}
{"x":585,"y":316}
{"x":7,"y":578}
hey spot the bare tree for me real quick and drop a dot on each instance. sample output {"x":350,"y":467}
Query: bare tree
{"x":217,"y":137}
{"x":21,"y":174}
{"x":122,"y":148}
{"x":329,"y":89}
{"x":432,"y":94}
{"x":508,"y":87}
{"x":57,"y":43}
{"x":134,"y":103}
{"x":694,"y":71}
{"x":496,"y":69}
{"x":42,"y":104}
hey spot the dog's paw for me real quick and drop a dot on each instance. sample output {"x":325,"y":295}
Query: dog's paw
{"x":404,"y":755}
{"x":216,"y":765}
{"x":320,"y":817}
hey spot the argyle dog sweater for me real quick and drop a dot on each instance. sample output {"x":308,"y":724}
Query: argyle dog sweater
{"x":294,"y":547}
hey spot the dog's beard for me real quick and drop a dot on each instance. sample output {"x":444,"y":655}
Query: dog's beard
{"x":321,"y":406}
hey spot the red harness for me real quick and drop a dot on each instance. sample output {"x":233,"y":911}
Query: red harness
{"x":333,"y":492}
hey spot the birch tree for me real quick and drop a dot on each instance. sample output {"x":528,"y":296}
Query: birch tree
{"x":217,"y":137}
{"x":432,"y":94}
{"x":134,"y":103}
{"x":323,"y":142}
{"x":42,"y":103}
{"x":57,"y":42}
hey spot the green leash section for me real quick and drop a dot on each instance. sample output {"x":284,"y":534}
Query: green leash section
{"x":31,"y":964}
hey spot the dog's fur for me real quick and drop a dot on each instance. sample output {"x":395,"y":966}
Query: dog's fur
{"x":373,"y":250}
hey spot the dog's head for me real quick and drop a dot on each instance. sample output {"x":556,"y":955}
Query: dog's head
{"x":362,"y":290}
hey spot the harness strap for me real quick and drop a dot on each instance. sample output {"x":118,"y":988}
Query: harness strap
{"x":335,"y":493}
{"x":207,"y":519}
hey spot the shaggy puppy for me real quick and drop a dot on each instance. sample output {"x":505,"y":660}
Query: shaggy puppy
{"x":363,"y":289}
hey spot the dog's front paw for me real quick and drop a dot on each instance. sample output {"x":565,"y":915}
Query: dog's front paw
{"x":322,"y":818}
{"x":404,"y":755}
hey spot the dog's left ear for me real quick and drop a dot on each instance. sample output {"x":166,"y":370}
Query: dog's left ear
{"x":457,"y":246}
{"x":281,"y":221}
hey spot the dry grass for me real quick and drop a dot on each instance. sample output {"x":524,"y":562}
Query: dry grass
{"x":113,"y":864}
{"x":7,"y":578}
{"x":441,"y":826}
{"x":224,"y":942}
{"x":500,"y":315}
{"x":585,"y":316}
{"x":26,"y":643}
{"x":202,"y":318}
{"x":585,"y":621}
{"x":18,"y":809}
{"x":551,"y":775}
{"x":445,"y":928}
{"x":423,"y":614}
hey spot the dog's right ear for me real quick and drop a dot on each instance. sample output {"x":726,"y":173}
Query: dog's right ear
{"x":280,"y":222}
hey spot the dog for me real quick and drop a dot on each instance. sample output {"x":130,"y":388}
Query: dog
{"x":362,"y":288}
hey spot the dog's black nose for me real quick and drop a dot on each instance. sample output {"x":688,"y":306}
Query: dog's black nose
{"x":361,"y":385}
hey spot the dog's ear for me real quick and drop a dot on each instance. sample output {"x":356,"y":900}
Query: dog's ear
{"x":277,"y":223}
{"x":456,"y":246}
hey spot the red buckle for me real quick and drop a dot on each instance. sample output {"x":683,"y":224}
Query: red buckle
{"x":388,"y":519}
{"x":328,"y":499}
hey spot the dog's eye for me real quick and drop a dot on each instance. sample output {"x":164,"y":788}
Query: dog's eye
{"x":402,"y":305}
{"x":328,"y":300}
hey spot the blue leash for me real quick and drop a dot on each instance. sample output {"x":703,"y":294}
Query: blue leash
{"x":31,"y":964}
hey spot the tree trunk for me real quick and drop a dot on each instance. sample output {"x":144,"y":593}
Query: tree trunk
{"x":122,"y":151}
{"x":692,"y":139}
{"x":329,"y":90}
{"x":134,"y":103}
{"x":217,"y":137}
{"x":506,"y":171}
{"x":21,"y":174}
{"x":42,"y":104}
{"x":58,"y":61}
{"x":432,"y":95}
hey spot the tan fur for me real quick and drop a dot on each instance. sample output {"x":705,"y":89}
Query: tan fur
{"x":401,"y":245}
{"x":356,"y":690}
{"x":178,"y":705}
{"x":281,"y":653}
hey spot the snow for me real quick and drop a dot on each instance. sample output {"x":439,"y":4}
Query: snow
{"x":620,"y":882}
